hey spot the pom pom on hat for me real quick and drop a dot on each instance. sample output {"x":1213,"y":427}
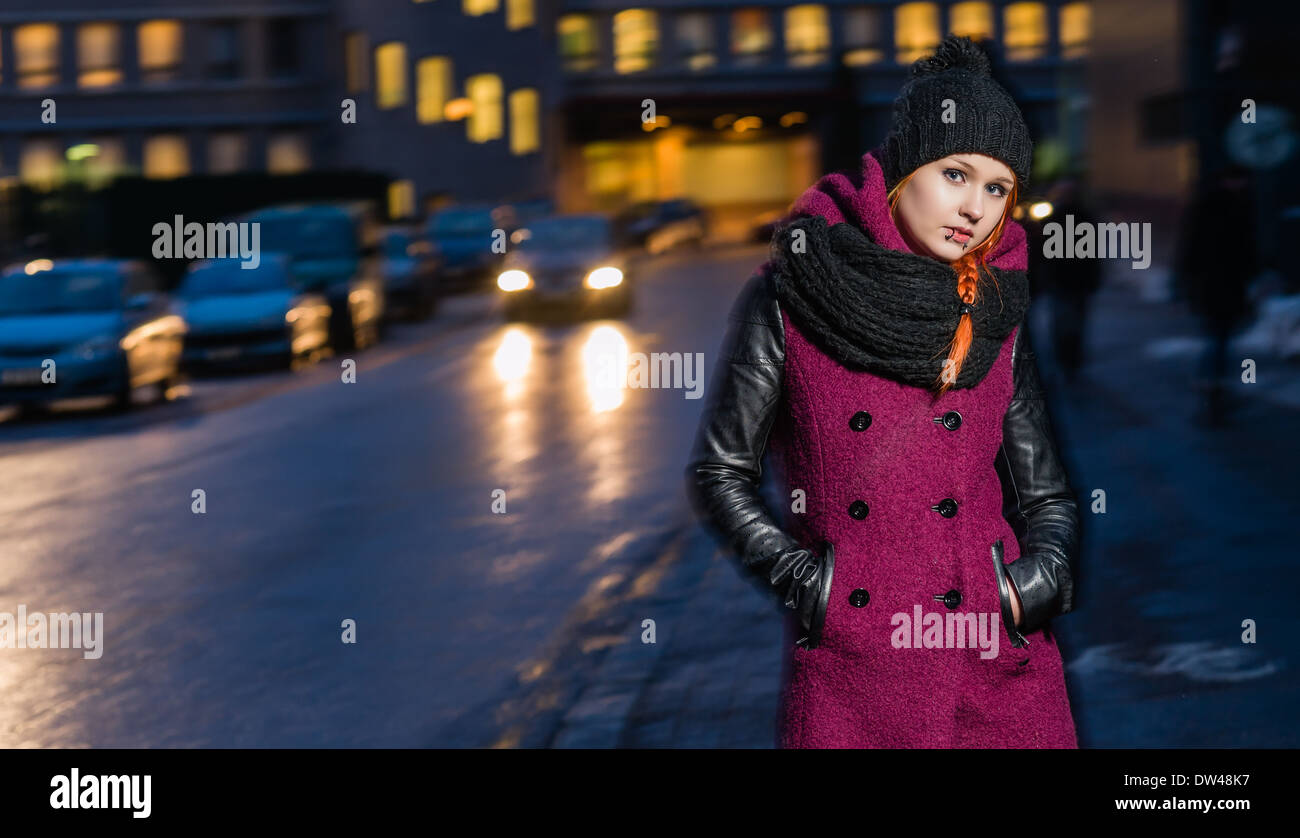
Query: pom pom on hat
{"x":987,"y":120}
{"x":955,"y":53}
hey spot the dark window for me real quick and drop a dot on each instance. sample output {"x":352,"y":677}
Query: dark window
{"x":223,"y":57}
{"x":282,"y":39}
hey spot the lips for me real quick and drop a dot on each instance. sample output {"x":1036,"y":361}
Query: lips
{"x":958,"y":234}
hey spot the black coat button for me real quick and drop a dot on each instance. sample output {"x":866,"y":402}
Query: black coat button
{"x":952,"y":420}
{"x":859,"y":597}
{"x":860,"y":421}
{"x":946,"y":507}
{"x":951,"y":599}
{"x":858,"y":509}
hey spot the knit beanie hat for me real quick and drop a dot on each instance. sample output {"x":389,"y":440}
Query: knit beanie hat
{"x":982,"y":117}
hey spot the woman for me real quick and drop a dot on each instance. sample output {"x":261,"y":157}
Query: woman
{"x":882,"y":353}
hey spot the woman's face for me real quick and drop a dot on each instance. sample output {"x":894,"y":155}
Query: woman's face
{"x":951,"y":206}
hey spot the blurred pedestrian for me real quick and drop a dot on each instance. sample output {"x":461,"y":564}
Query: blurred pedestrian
{"x":882,"y":352}
{"x":1215,"y":262}
{"x":1069,"y":283}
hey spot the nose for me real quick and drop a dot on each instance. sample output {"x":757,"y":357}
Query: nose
{"x":973,"y":207}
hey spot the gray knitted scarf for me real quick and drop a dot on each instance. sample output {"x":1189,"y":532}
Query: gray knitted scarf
{"x":886,"y":311}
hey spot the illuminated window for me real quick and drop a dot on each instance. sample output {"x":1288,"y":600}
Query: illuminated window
{"x":916,"y":31}
{"x":166,"y":156}
{"x":36,"y":52}
{"x":223,"y":56}
{"x":751,"y":36}
{"x":287,"y":153}
{"x":974,"y":20}
{"x":484,"y":93}
{"x":159,"y":46}
{"x":863,"y":42}
{"x":227,"y":153}
{"x":356,"y":63}
{"x":390,"y":74}
{"x":807,"y":35}
{"x":97,"y":55}
{"x":520,"y":13}
{"x":107,"y":161}
{"x":474,"y":8}
{"x":1076,"y":29}
{"x":695,"y":42}
{"x":40,"y":162}
{"x":524,"y":133}
{"x":1024,"y":31}
{"x":579,"y":44}
{"x":401,"y":199}
{"x":636,"y":39}
{"x":433,"y":88}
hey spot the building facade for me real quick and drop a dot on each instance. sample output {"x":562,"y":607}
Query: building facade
{"x":162,"y":88}
{"x":738,"y":104}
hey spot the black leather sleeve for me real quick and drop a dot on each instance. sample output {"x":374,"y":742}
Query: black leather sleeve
{"x":1037,"y":499}
{"x":722,"y":478}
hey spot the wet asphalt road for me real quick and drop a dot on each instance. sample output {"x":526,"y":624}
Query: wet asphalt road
{"x":327,"y":501}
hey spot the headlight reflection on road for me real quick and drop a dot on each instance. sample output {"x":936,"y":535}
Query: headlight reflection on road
{"x":515,"y":437}
{"x":512,"y":359}
{"x":604,"y":366}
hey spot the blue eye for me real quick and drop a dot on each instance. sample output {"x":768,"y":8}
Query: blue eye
{"x":1001,"y":193}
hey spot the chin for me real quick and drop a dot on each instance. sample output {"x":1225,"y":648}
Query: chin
{"x":947,"y":251}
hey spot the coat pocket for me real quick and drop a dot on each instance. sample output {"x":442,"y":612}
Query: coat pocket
{"x":1018,"y":641}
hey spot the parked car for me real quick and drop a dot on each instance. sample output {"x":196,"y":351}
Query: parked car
{"x":763,"y":226}
{"x":86,"y":327}
{"x":520,"y":213}
{"x":410,"y":274}
{"x":462,"y":239}
{"x":326,"y":256}
{"x":568,"y":264}
{"x":659,"y":226}
{"x":242,"y":317}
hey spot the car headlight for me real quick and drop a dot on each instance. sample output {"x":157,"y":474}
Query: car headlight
{"x":514,"y":280}
{"x":606,"y":277}
{"x":96,"y":347}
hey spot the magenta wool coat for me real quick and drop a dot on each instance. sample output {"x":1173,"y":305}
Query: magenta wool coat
{"x":872,"y":681}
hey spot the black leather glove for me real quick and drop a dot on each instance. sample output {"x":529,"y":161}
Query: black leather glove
{"x":722,"y":479}
{"x":808,"y":590}
{"x":1037,"y":499}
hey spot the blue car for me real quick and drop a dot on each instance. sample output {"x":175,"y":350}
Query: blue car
{"x":324,"y":245}
{"x":86,"y":327}
{"x":462,"y":238}
{"x":410,"y":275}
{"x":244,"y":317}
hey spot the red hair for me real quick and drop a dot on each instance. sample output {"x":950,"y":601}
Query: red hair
{"x":968,"y":270}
